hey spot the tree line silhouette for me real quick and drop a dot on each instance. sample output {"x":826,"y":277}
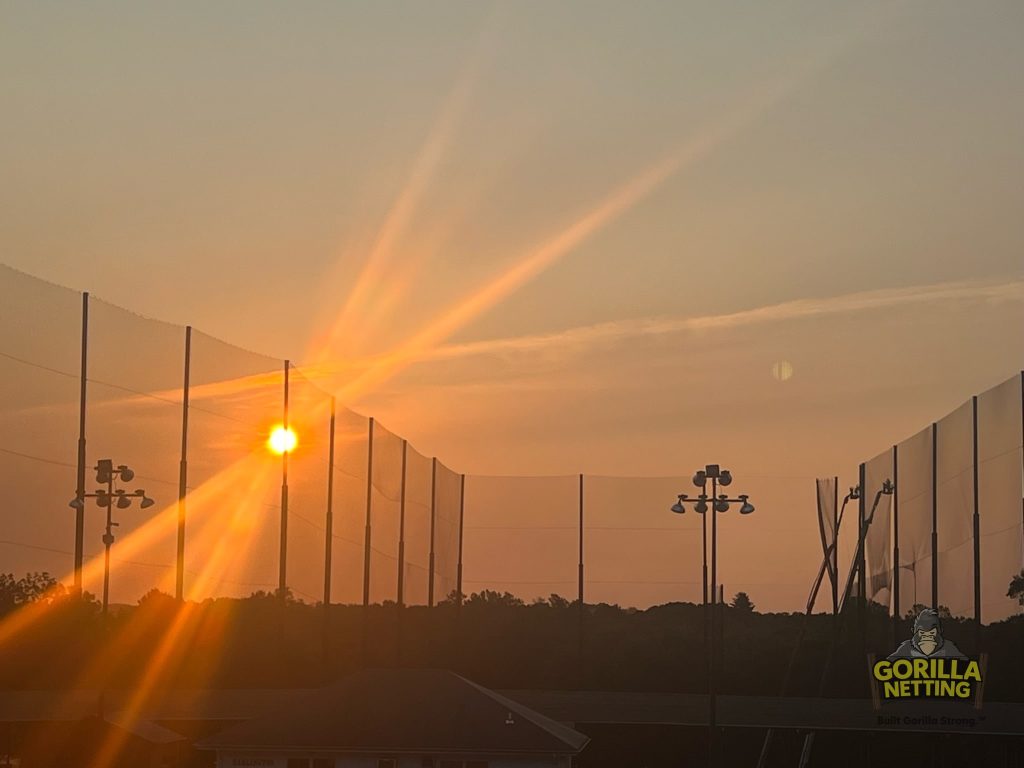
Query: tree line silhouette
{"x":270,"y":640}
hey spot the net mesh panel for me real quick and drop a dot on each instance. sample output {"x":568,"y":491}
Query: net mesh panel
{"x":954,"y":470}
{"x":521,"y":535}
{"x":416,"y":565}
{"x":40,"y":354}
{"x":236,"y":397}
{"x":825,"y":490}
{"x":309,"y":416}
{"x":877,"y":539}
{"x":1000,"y":492}
{"x":446,"y":532}
{"x":915,"y":519}
{"x":351,"y":449}
{"x":133,"y":414}
{"x":636,"y":552}
{"x":385,"y":514}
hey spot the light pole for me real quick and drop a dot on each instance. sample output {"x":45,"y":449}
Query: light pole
{"x":106,"y":474}
{"x":719,"y":503}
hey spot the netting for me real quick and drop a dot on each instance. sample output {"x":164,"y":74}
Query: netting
{"x":522,"y":535}
{"x":635,"y":551}
{"x":309,"y":417}
{"x":447,"y":511}
{"x":1000,"y":491}
{"x":385,"y":515}
{"x":826,"y":490}
{"x":236,"y":397}
{"x":954,"y":472}
{"x":877,"y":540}
{"x":914,"y":456}
{"x":133,"y":417}
{"x":40,"y":354}
{"x":418,"y":494}
{"x":351,"y":449}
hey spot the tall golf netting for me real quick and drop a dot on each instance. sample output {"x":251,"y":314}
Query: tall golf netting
{"x":1000,"y":491}
{"x":954,"y":476}
{"x":522,"y":535}
{"x":309,"y":418}
{"x":40,"y":356}
{"x":914,"y":457}
{"x":351,"y":456}
{"x":635,"y":552}
{"x":385,"y":514}
{"x":877,"y":542}
{"x":236,"y":398}
{"x":447,"y":512}
{"x":418,"y":505}
{"x":134,"y":417}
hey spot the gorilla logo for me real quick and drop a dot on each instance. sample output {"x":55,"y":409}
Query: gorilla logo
{"x":927,"y":640}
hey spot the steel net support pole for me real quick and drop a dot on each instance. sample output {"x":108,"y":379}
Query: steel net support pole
{"x":935,"y":516}
{"x":835,"y":548}
{"x":433,"y":516}
{"x":329,"y":538}
{"x":400,"y":597}
{"x":976,"y":520}
{"x":282,"y":579}
{"x":862,"y":590}
{"x":895,"y":544}
{"x":580,"y":596}
{"x":462,"y":520}
{"x":80,"y":487}
{"x":369,"y":511}
{"x":179,"y":581}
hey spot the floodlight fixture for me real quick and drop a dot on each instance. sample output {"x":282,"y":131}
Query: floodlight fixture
{"x":700,"y":478}
{"x":747,"y":507}
{"x":725,"y":478}
{"x":722,"y":503}
{"x":702,"y":505}
{"x":146,"y":502}
{"x":127,"y":474}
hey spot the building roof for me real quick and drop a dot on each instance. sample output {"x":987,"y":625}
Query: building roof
{"x":402,"y":710}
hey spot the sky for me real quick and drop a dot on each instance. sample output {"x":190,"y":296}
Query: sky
{"x":544,"y":239}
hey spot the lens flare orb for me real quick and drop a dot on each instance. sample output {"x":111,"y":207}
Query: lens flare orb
{"x":782,"y":370}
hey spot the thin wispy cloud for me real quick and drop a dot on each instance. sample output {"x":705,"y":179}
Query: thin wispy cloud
{"x":584,"y":337}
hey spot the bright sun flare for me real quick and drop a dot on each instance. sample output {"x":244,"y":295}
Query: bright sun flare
{"x":282,"y":440}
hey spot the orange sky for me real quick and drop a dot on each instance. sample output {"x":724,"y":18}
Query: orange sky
{"x":550,"y":240}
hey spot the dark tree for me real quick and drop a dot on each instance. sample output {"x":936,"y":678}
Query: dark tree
{"x":1016,"y":590}
{"x":742,"y":602}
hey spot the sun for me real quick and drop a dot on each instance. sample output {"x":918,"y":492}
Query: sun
{"x":282,"y":440}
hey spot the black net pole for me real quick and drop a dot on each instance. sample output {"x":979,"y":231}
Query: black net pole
{"x":462,"y":521}
{"x":935,"y":516}
{"x":400,"y":597}
{"x":895,"y":545}
{"x":369,"y":509}
{"x":282,"y":580}
{"x":580,"y":609}
{"x":835,"y":547}
{"x":976,"y":519}
{"x":862,"y":559}
{"x":433,"y":516}
{"x":179,"y":580}
{"x":80,"y":490}
{"x":329,"y":541}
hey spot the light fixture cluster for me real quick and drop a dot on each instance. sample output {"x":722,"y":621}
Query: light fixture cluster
{"x":720,"y":503}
